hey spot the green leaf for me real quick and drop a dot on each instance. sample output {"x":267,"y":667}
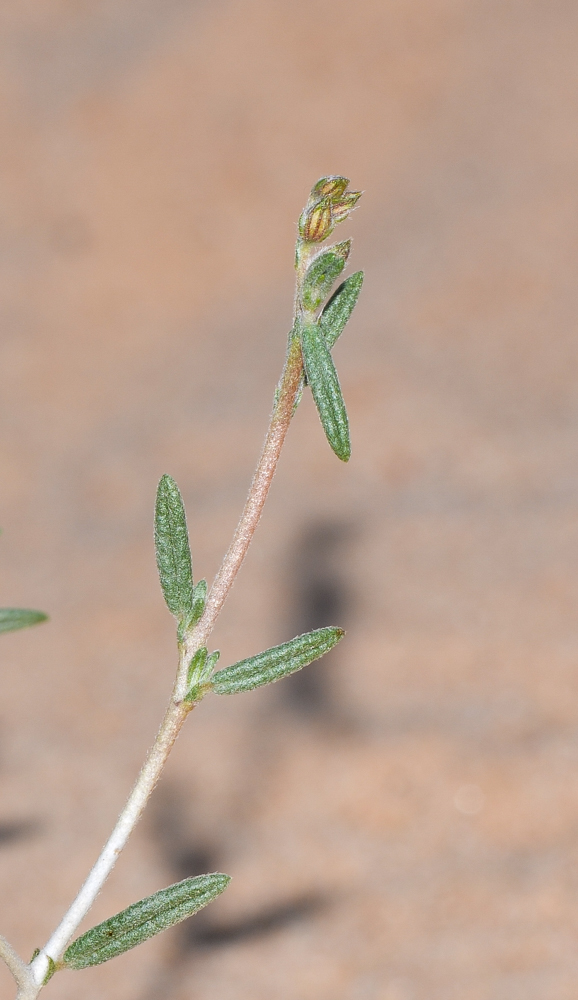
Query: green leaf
{"x":52,"y":968}
{"x":189,"y":620}
{"x":339,"y":308}
{"x":13,"y":618}
{"x":172,"y":548}
{"x":199,"y":673}
{"x":199,"y":600}
{"x":197,"y":666}
{"x":277,"y":662}
{"x":322,"y":272}
{"x":212,"y":661}
{"x":322,"y":378}
{"x":142,"y":920}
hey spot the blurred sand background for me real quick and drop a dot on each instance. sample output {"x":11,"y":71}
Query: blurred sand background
{"x":401,"y":822}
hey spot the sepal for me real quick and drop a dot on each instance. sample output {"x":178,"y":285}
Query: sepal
{"x":316,"y":222}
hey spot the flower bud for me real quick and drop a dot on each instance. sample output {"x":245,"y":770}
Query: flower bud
{"x":345,"y":204}
{"x":316,"y":222}
{"x":329,"y":187}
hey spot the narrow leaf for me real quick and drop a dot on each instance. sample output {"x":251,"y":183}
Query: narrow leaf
{"x":199,"y":599}
{"x":277,"y":662}
{"x":197,"y":666}
{"x":190,"y":619}
{"x":339,"y":308}
{"x":172,"y":548}
{"x":322,"y":272}
{"x":212,"y":661}
{"x":199,"y":674}
{"x":142,"y":920}
{"x":52,"y":968}
{"x":13,"y":618}
{"x":322,"y":378}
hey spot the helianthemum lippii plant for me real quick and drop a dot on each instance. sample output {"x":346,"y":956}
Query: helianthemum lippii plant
{"x":319,"y":319}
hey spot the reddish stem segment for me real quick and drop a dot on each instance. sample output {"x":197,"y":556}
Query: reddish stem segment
{"x":288,"y":390}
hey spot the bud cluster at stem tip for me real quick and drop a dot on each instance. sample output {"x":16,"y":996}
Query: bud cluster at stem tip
{"x":329,"y":203}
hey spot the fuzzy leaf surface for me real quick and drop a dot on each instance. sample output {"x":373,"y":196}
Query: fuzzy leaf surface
{"x":143,"y":920}
{"x":199,"y":674}
{"x":189,"y":620}
{"x":277,"y":662}
{"x":172,"y":549}
{"x":13,"y":618}
{"x":322,"y":378}
{"x":339,"y":308}
{"x":320,"y":276}
{"x":197,"y":666}
{"x":199,"y":600}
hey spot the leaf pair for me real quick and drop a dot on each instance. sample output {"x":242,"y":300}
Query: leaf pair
{"x":255,"y":671}
{"x":185,"y":601}
{"x":143,"y":920}
{"x":199,"y":674}
{"x":317,"y":339}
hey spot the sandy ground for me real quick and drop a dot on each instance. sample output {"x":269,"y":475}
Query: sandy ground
{"x":401,"y":822}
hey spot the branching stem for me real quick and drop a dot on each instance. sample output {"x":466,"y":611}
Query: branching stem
{"x":177,"y":711}
{"x":315,"y":224}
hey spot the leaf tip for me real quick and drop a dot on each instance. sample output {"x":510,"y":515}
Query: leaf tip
{"x":16,"y":618}
{"x":52,"y":968}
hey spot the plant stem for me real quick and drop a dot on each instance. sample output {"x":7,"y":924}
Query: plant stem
{"x":129,"y":817}
{"x":287,"y":392}
{"x":30,"y":989}
{"x":178,"y":710}
{"x":17,"y":967}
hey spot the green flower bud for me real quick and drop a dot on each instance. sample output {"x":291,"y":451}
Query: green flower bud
{"x":316,"y":222}
{"x":329,"y":187}
{"x":342,"y":206}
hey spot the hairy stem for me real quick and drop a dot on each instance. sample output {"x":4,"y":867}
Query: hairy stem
{"x":129,"y":817}
{"x":287,"y":393}
{"x":177,"y":710}
{"x":262,"y":479}
{"x":30,"y":989}
{"x":17,"y":967}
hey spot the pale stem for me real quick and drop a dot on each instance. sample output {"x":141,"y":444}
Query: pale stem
{"x":30,"y":989}
{"x":17,"y":967}
{"x":177,"y":711}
